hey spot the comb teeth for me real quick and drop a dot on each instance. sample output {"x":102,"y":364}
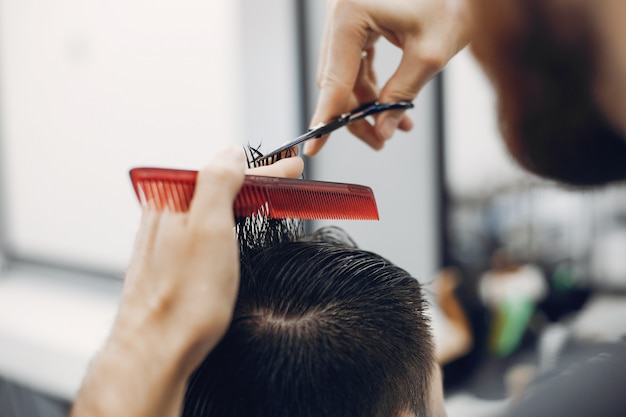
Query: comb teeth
{"x":276,"y":198}
{"x":165,"y":195}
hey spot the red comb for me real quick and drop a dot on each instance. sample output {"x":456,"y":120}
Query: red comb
{"x":276,"y":198}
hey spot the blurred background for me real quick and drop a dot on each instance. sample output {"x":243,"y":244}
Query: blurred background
{"x":92,"y":88}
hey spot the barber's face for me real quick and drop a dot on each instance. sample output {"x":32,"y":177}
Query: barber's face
{"x":544,"y":58}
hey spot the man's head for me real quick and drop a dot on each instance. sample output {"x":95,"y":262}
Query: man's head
{"x":320,"y":328}
{"x":556,"y":68}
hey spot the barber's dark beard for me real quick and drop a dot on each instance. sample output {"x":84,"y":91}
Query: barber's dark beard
{"x":542,"y":65}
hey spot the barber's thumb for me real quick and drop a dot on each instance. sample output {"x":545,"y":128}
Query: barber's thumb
{"x":222,"y":178}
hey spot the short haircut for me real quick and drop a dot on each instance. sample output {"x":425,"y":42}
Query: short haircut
{"x":320,"y":328}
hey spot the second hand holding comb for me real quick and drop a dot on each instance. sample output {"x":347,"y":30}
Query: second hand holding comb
{"x":361,"y":112}
{"x":275,"y":198}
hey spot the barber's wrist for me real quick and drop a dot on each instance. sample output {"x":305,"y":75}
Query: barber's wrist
{"x":157,"y":335}
{"x":143,"y":345}
{"x":139,"y":339}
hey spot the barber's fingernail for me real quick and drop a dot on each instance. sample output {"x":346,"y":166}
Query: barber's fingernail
{"x":390,"y":124}
{"x":231,"y":154}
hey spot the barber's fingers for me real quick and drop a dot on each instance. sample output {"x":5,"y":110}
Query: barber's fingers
{"x":366,"y":132}
{"x":217,"y":186}
{"x":219,"y":182}
{"x":321,"y":61}
{"x":291,"y":167}
{"x":366,"y":84}
{"x":148,"y":228}
{"x":344,"y":40}
{"x":364,"y":89}
{"x":416,"y":68}
{"x":313,"y":146}
{"x":144,"y":242}
{"x":429,"y":32}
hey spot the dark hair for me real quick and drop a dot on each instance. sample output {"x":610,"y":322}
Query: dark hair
{"x":542,"y":59}
{"x":320,"y":328}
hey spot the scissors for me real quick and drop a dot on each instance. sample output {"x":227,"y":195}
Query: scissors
{"x":368,"y":109}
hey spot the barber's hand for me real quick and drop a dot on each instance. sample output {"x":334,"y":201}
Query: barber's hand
{"x":291,"y":167}
{"x":178,"y":298}
{"x":185,"y":272}
{"x":429,"y":32}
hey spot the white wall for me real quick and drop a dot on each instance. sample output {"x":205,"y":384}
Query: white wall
{"x":91,"y":88}
{"x":477,"y":162}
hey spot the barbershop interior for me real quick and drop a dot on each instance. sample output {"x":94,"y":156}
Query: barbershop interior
{"x":515,"y":268}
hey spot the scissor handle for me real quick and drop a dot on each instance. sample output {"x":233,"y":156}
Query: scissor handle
{"x":361,"y":112}
{"x":374,"y":107}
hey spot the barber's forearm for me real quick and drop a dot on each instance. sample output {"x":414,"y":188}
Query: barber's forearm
{"x":178,"y":298}
{"x":134,"y":375}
